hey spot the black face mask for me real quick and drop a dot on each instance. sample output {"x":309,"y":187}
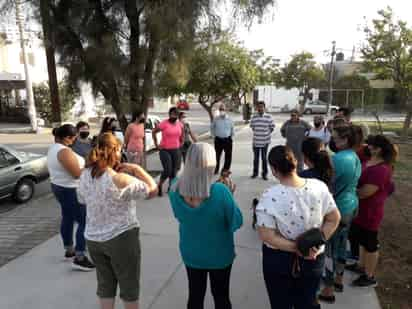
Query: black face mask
{"x":142,"y":120}
{"x":317,"y":124}
{"x":84,"y":134}
{"x":172,"y":120}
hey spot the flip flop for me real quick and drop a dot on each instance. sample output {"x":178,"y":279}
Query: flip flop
{"x":327,"y":299}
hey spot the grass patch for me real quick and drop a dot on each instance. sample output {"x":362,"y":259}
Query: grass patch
{"x":394,"y":272}
{"x":390,"y":126}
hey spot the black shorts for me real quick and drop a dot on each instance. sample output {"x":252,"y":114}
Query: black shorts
{"x":366,"y":238}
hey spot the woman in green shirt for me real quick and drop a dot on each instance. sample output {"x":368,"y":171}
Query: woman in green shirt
{"x":208,"y":216}
{"x":347,"y":172}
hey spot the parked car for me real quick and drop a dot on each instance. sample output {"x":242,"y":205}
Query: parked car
{"x":319,"y":107}
{"x":182,"y":104}
{"x":151,"y":122}
{"x":19,"y":172}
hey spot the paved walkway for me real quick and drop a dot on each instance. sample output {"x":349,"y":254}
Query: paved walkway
{"x":40,"y":279}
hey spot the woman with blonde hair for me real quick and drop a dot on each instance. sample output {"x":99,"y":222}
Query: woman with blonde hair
{"x":208,"y":216}
{"x":112,"y":229}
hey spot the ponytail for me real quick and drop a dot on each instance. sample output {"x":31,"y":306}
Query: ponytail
{"x":103,"y":155}
{"x":323,"y":165}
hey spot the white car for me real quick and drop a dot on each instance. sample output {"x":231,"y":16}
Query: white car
{"x":319,"y":107}
{"x":151,"y":122}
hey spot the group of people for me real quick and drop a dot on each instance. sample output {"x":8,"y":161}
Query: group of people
{"x":333,"y":184}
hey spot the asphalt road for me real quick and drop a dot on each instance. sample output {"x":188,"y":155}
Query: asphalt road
{"x":39,"y":143}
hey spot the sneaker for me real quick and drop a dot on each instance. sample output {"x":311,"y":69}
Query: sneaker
{"x":265,"y":177}
{"x":83,"y":264}
{"x":365,"y":282}
{"x":355,"y":268}
{"x":253,"y":176}
{"x":69,"y":254}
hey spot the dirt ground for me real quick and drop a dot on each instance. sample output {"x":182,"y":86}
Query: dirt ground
{"x":395,"y":266}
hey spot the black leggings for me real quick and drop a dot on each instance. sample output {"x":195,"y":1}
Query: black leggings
{"x":219,"y":283}
{"x":171,"y":160}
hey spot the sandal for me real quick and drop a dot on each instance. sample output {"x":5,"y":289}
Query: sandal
{"x":327,"y":299}
{"x":338,"y":287}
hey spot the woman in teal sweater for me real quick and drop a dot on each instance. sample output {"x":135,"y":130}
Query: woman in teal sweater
{"x":347,"y":172}
{"x":208,"y":216}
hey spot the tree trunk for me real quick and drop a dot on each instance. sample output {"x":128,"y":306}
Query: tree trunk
{"x":133,"y":14}
{"x":51,"y":62}
{"x":208,"y":108}
{"x":407,"y":123}
{"x":407,"y":99}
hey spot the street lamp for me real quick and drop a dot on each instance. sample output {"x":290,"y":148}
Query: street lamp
{"x":29,"y":87}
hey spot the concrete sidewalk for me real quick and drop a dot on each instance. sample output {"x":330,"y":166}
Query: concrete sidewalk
{"x":40,"y":279}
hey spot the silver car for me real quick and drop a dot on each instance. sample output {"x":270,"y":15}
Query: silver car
{"x":19,"y":172}
{"x":319,"y":107}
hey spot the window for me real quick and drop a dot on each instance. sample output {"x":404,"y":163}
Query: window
{"x":148,"y":125}
{"x":7,"y":159}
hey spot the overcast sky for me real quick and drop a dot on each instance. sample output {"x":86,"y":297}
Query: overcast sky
{"x":312,"y":25}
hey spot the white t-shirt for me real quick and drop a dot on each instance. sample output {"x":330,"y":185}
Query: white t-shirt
{"x":293,"y":211}
{"x":110,"y":210}
{"x":322,"y":134}
{"x":58,"y":174}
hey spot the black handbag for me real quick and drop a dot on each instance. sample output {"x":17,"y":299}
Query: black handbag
{"x":309,"y":239}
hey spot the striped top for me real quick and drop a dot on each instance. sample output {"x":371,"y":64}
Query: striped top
{"x":262,"y":127}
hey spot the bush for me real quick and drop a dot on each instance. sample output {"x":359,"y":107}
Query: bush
{"x":42,"y":100}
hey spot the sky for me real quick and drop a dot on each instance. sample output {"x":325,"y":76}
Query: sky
{"x":298,"y":25}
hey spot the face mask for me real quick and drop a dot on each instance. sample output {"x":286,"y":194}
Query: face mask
{"x":222,"y":113}
{"x":84,"y":134}
{"x":172,"y":119}
{"x":317,"y":124}
{"x":142,"y":120}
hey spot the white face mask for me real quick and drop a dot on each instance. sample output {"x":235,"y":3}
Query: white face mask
{"x":222,"y":113}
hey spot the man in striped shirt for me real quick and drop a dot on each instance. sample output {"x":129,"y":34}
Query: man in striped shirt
{"x":262,"y":126}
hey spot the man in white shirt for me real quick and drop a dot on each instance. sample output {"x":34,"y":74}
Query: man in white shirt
{"x":319,"y":130}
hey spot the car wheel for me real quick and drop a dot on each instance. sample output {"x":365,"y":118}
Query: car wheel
{"x":24,"y":190}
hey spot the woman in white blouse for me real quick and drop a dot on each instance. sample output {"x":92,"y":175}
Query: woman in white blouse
{"x":286,"y":211}
{"x":112,"y":227}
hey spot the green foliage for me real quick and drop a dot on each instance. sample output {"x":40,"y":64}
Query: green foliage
{"x":221,"y":68}
{"x":388,"y":53}
{"x":42,"y":100}
{"x":353,"y":81}
{"x":302,"y":72}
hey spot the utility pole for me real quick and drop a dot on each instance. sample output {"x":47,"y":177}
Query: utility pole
{"x":29,"y":87}
{"x":331,"y":69}
{"x":51,"y":62}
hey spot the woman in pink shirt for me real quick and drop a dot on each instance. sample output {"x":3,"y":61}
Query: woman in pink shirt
{"x":169,"y":148}
{"x":375,"y":185}
{"x":134,"y":139}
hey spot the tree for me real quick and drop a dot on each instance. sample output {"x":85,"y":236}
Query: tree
{"x":388,"y":53}
{"x":43,"y":102}
{"x":304,"y":73}
{"x":217,"y":69}
{"x":117,"y":45}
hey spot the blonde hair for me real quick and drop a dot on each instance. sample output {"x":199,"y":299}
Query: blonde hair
{"x":104,"y":154}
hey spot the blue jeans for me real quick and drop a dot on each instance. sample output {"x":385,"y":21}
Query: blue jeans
{"x":287,"y":291}
{"x":72,"y":211}
{"x":336,"y":255}
{"x":263,"y":152}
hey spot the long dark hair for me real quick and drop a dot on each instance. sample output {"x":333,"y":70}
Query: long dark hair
{"x":66,"y":130}
{"x":311,"y":149}
{"x":389,"y":151}
{"x":107,"y":125}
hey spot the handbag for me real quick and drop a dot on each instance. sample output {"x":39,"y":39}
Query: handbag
{"x":309,"y":239}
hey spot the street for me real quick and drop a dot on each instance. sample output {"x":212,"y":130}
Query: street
{"x":196,"y":116}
